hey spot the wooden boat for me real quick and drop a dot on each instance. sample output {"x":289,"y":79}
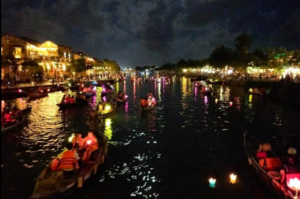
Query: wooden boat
{"x":258,"y":93}
{"x":9,"y":94}
{"x":89,"y":94}
{"x":214,"y":81}
{"x":105,"y":115}
{"x":18,"y":123}
{"x":251,"y":145}
{"x":69,"y":105}
{"x":26,"y":110}
{"x":52,"y":184}
{"x":147,"y":108}
{"x":35,"y":95}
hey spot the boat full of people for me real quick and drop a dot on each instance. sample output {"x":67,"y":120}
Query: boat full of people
{"x":121,"y":98}
{"x":71,"y":101}
{"x":256,"y":91}
{"x":281,"y":174}
{"x":147,"y":103}
{"x":37,"y":93}
{"x":71,"y":168}
{"x":13,"y":117}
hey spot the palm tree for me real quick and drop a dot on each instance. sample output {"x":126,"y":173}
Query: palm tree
{"x":243,"y":43}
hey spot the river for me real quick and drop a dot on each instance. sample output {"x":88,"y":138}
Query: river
{"x":170,"y":152}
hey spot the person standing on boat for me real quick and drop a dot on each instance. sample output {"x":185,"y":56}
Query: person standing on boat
{"x":68,"y":160}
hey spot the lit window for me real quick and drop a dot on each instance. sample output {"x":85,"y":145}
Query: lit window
{"x":65,"y":54}
{"x":17,"y":52}
{"x":1,"y":51}
{"x":69,"y":55}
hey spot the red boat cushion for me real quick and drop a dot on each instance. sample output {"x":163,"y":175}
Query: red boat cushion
{"x":261,"y":154}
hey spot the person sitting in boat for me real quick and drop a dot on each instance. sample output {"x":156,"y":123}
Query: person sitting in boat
{"x":90,"y":144}
{"x":68,"y":160}
{"x":67,"y":99}
{"x":290,"y":166}
{"x":269,"y":162}
{"x":72,"y":100}
{"x":78,"y":141}
{"x":8,"y":117}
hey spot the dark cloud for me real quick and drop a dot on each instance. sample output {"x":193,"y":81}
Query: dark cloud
{"x":141,"y":32}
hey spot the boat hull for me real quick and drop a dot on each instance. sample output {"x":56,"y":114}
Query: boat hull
{"x":251,"y":145}
{"x":148,"y":108}
{"x":13,"y":126}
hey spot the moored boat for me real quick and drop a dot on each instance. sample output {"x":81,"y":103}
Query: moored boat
{"x":52,"y":184}
{"x":36,"y":95}
{"x":272,"y":177}
{"x":69,"y":105}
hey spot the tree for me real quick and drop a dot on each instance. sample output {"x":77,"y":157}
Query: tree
{"x":259,"y":57}
{"x":243,"y":44}
{"x":220,"y":57}
{"x":112,"y":65}
{"x":29,"y":63}
{"x":78,"y":66}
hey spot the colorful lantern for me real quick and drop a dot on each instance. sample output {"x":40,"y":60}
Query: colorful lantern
{"x":89,"y":142}
{"x":232,"y":178}
{"x":295,"y":185}
{"x":20,"y":90}
{"x":250,"y":90}
{"x":216,"y":100}
{"x":212,"y":182}
{"x":107,"y":108}
{"x":71,"y":138}
{"x":230,"y":103}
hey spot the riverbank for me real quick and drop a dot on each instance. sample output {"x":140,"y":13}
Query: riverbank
{"x":282,"y":92}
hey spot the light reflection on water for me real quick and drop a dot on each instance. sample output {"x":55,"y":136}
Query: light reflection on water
{"x":160,"y":153}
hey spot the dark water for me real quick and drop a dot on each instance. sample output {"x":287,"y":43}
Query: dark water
{"x":167,"y":153}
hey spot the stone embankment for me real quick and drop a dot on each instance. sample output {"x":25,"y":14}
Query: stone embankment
{"x":285,"y":93}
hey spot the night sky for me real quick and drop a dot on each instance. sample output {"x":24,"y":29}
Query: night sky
{"x":141,"y":32}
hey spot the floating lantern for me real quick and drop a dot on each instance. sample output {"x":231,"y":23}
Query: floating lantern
{"x":48,"y":89}
{"x":126,"y":96}
{"x":216,"y":100}
{"x":250,"y":90}
{"x":294,"y":184}
{"x":107,"y":108}
{"x":232,"y":178}
{"x":20,"y":90}
{"x":89,"y":142}
{"x":212,"y":182}
{"x":230,"y":103}
{"x":94,"y":88}
{"x":71,"y":138}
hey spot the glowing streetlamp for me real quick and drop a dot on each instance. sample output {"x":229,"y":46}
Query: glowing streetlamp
{"x":212,"y":182}
{"x":232,"y":178}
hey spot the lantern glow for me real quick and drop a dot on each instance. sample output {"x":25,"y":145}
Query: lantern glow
{"x":107,"y":108}
{"x":295,"y":185}
{"x":232,"y":178}
{"x":230,"y":103}
{"x":250,"y":90}
{"x":216,"y":100}
{"x":20,"y":90}
{"x":212,"y":182}
{"x":89,"y":142}
{"x":71,"y":138}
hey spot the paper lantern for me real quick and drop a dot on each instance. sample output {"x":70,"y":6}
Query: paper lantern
{"x":232,"y":178}
{"x":212,"y":182}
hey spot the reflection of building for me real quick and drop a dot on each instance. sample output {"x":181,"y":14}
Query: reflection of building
{"x":53,"y":59}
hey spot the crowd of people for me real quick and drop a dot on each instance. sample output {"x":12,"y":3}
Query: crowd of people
{"x":278,"y":168}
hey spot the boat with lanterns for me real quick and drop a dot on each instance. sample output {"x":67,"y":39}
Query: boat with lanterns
{"x":215,"y":81}
{"x":148,"y":108}
{"x":205,"y":90}
{"x":106,"y":109}
{"x":78,"y":101}
{"x":53,"y":183}
{"x":271,"y":176}
{"x":261,"y":92}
